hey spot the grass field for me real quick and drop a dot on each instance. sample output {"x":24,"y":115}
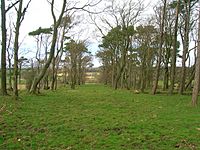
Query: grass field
{"x":95,"y":117}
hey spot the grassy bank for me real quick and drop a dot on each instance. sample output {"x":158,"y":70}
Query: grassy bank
{"x":97,"y":117}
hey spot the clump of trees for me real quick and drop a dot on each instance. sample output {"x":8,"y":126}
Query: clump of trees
{"x":138,"y":56}
{"x":79,"y":58}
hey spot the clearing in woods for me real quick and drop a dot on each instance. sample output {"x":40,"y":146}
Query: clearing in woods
{"x":98,"y":117}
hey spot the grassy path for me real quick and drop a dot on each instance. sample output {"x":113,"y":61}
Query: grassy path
{"x":95,"y":117}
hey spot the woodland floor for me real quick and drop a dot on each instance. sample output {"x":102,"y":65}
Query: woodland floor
{"x":95,"y":117}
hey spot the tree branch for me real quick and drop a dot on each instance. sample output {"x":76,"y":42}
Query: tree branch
{"x":11,"y":6}
{"x":84,"y":7}
{"x":24,"y":11}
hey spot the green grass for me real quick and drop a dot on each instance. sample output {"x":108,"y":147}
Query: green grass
{"x":95,"y":117}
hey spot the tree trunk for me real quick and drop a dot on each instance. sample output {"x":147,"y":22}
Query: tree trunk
{"x":79,"y":71}
{"x":173,"y":64}
{"x":143,"y":73}
{"x":16,"y":49}
{"x":53,"y":73}
{"x":46,"y":78}
{"x":155,"y":85}
{"x":119,"y":73}
{"x":166,"y":77}
{"x":9,"y":58}
{"x":38,"y":78}
{"x":10,"y":74}
{"x":3,"y":49}
{"x":65,"y":75}
{"x":190,"y":79}
{"x":73,"y":73}
{"x":197,"y":71}
{"x":56,"y":80}
{"x":20,"y":72}
{"x":185,"y":46}
{"x":113,"y":70}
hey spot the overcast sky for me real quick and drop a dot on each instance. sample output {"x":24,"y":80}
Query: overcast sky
{"x":39,"y":15}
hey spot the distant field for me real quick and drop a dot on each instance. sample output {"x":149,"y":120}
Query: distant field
{"x":95,"y":117}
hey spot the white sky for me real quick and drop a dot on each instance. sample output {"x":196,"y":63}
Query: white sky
{"x":39,"y":15}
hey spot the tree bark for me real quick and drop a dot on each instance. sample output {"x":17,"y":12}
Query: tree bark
{"x":166,"y":77}
{"x":173,"y":64}
{"x":190,"y":79}
{"x":143,"y":73}
{"x":197,"y":71}
{"x":73,"y":72}
{"x":53,"y":74}
{"x":3,"y":49}
{"x":160,"y":50}
{"x":120,"y":70}
{"x":45,"y":80}
{"x":9,"y":57}
{"x":16,"y":49}
{"x":185,"y":46}
{"x":10,"y":74}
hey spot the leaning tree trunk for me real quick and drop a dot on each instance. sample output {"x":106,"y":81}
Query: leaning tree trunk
{"x":192,"y":75}
{"x":173,"y":64}
{"x":3,"y":49}
{"x":155,"y":85}
{"x":197,"y":71}
{"x":38,"y":78}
